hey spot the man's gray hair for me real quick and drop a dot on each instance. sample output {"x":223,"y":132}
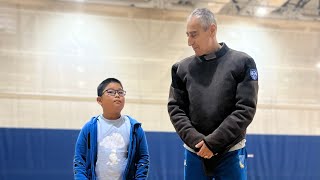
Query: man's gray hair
{"x":205,"y":16}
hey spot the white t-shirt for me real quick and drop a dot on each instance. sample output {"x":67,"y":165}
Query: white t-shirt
{"x":112,"y":143}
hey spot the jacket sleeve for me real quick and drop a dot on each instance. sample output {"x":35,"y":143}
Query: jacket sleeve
{"x":178,"y":108}
{"x":233,"y":128}
{"x":142,"y":160}
{"x":80,"y":157}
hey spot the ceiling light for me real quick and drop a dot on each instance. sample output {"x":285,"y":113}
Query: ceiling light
{"x":261,"y":11}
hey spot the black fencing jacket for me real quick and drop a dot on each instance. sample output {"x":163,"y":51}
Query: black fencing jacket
{"x":213,"y":98}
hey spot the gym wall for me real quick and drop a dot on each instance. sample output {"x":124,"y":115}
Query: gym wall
{"x":52,"y":60}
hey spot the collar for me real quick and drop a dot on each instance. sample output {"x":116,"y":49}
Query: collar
{"x":215,"y":55}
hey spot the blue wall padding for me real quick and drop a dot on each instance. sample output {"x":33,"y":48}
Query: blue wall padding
{"x":39,"y":154}
{"x":166,"y":156}
{"x":282,"y":157}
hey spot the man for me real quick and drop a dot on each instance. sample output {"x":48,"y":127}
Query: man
{"x":212,"y":101}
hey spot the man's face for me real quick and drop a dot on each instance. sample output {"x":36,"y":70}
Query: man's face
{"x":110,"y":101}
{"x":200,"y":40}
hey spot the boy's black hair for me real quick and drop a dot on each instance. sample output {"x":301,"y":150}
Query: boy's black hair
{"x":105,"y":83}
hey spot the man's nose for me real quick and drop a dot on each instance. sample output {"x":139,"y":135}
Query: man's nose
{"x":190,"y":41}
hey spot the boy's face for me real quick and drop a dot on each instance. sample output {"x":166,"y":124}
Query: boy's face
{"x":110,"y":102}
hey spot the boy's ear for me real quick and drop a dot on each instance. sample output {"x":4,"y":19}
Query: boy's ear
{"x":99,"y":100}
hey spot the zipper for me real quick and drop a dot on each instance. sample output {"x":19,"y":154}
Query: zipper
{"x":132,"y":138}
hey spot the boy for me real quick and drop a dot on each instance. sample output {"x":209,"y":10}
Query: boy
{"x":110,"y":145}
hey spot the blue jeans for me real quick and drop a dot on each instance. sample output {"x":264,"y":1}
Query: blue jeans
{"x":233,"y":166}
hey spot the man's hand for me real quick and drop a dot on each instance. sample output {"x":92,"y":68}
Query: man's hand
{"x":204,"y":151}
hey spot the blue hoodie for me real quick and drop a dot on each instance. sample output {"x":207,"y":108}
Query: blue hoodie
{"x":86,"y":152}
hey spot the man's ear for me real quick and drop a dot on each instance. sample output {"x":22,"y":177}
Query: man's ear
{"x":213,"y":29}
{"x":99,"y":100}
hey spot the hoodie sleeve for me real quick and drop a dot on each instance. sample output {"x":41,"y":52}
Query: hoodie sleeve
{"x":143,"y":161}
{"x":178,"y":105}
{"x":234,"y":126}
{"x":80,"y":157}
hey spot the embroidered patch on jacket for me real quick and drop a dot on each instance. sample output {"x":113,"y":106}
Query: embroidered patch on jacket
{"x":254,"y":74}
{"x":241,"y":161}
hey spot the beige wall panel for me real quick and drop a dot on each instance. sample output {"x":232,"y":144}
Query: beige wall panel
{"x":284,"y":121}
{"x":37,"y":113}
{"x":154,"y":117}
{"x":62,"y":114}
{"x":51,"y":63}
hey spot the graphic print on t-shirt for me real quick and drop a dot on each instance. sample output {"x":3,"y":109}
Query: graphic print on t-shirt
{"x":112,"y":151}
{"x":114,"y":141}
